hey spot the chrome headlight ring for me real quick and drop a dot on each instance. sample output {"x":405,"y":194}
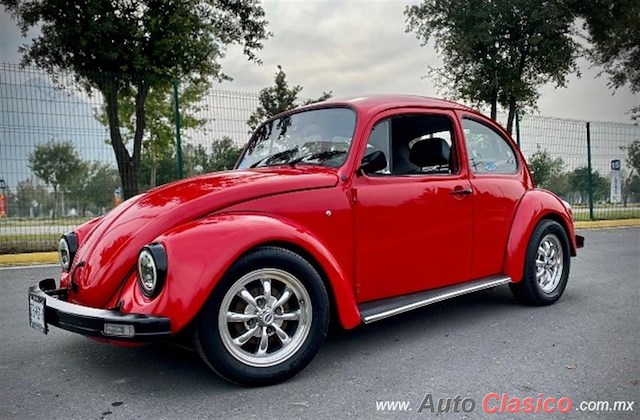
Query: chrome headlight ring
{"x":67,"y":248}
{"x":152,"y":269}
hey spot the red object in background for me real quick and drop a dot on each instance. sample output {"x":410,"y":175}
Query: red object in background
{"x":3,"y":205}
{"x":453,"y":211}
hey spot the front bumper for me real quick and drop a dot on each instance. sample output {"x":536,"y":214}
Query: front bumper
{"x":94,"y":322}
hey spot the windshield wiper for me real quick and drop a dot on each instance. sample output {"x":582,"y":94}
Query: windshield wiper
{"x":327,"y":154}
{"x":284,"y":155}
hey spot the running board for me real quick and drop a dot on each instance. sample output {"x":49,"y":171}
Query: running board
{"x":384,"y":308}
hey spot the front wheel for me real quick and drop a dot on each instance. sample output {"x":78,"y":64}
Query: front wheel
{"x":266,"y":319}
{"x":547,"y":265}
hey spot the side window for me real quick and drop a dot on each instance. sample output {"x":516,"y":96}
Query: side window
{"x":415,"y":145}
{"x":488,"y":152}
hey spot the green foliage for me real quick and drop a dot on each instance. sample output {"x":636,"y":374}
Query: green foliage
{"x":57,"y":164}
{"x":633,"y":156}
{"x":197,"y":159}
{"x":279,"y":98}
{"x":159,"y":140}
{"x":222,"y":155}
{"x":631,"y":176}
{"x":544,"y":168}
{"x":579,"y":183}
{"x":497,"y":51}
{"x":613,"y":29}
{"x":94,"y":190}
{"x":31,"y":199}
{"x":127,"y":48}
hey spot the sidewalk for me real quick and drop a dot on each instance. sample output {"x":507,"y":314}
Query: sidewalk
{"x":52,"y":257}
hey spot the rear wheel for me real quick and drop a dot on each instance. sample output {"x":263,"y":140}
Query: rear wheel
{"x":547,"y":265}
{"x":266,"y":319}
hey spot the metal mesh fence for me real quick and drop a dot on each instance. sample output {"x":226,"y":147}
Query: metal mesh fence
{"x":36,"y":113}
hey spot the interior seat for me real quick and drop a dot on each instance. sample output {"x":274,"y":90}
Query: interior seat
{"x":430,"y":152}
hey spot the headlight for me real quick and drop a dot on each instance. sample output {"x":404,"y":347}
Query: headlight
{"x":152,"y":269}
{"x":67,"y":248}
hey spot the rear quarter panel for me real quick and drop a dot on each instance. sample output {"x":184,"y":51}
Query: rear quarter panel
{"x":536,"y":204}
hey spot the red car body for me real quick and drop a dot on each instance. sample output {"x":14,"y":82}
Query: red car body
{"x":370,"y":238}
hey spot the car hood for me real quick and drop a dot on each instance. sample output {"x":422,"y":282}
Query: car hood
{"x":108,"y":254}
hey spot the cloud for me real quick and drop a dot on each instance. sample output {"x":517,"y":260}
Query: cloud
{"x":359,"y":47}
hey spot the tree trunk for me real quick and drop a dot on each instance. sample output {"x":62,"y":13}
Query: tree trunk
{"x":55,"y":201}
{"x":141,"y":98}
{"x":128,"y":166}
{"x":154,"y":168}
{"x":494,"y":104}
{"x":512,"y":113}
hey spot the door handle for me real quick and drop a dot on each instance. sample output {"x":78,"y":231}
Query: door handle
{"x":462,"y":191}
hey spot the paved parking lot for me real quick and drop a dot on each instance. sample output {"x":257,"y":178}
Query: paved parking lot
{"x":585,"y":348}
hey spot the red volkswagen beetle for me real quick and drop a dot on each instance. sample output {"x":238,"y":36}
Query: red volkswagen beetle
{"x":357,"y":209}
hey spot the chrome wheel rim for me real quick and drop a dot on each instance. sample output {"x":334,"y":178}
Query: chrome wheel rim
{"x":549,"y":263}
{"x":265,"y":317}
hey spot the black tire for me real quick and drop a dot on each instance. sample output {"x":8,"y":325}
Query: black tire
{"x":217,"y":337}
{"x":536,"y":291}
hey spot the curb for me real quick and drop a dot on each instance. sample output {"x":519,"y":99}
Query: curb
{"x":29,"y":259}
{"x":52,"y":257}
{"x":601,"y":224}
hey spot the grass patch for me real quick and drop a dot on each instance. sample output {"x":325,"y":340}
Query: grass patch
{"x":17,"y":244}
{"x":608,"y":214}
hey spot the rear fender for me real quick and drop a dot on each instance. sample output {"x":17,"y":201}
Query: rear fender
{"x":200,"y":252}
{"x":535,"y":205}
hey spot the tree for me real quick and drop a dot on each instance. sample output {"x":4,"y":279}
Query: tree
{"x":94,"y":188}
{"x":158,"y":141}
{"x":32,"y":199}
{"x":126,"y":48}
{"x":579,"y":183}
{"x":56,"y":164}
{"x":497,"y":52}
{"x":612,"y":29}
{"x":279,"y":98}
{"x":223,"y":155}
{"x":631,"y":177}
{"x":543,"y":167}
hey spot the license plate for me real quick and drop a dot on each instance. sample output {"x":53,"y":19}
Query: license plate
{"x":36,"y":313}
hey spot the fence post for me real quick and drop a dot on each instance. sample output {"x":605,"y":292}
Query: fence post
{"x":176,"y":116}
{"x":589,"y":175}
{"x":518,"y":128}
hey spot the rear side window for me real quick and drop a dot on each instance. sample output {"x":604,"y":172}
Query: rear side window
{"x":488,"y":151}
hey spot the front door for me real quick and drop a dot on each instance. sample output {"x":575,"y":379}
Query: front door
{"x":413,"y":219}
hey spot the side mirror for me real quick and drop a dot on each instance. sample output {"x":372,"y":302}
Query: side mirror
{"x":373,"y":162}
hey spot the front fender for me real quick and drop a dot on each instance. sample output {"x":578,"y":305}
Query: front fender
{"x":535,"y":205}
{"x":200,"y":252}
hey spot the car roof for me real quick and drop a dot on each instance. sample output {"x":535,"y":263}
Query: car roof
{"x":381,"y":102}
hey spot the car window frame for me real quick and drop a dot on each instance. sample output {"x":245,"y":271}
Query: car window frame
{"x":501,"y":135}
{"x":456,"y":142}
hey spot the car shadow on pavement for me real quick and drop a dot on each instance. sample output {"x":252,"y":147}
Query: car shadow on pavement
{"x":179,"y":368}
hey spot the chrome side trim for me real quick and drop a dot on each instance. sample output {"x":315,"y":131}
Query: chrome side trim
{"x":375,"y":311}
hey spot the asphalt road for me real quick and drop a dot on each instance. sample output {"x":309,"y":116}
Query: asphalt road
{"x":585,"y":347}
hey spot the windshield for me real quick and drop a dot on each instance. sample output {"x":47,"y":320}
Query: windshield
{"x":319,"y":137}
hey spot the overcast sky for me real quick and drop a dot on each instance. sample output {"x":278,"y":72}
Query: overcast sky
{"x":359,"y":47}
